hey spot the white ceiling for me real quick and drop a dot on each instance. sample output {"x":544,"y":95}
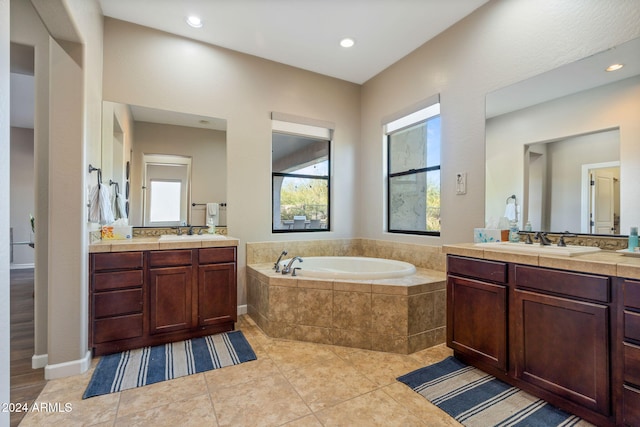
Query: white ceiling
{"x":305,"y":33}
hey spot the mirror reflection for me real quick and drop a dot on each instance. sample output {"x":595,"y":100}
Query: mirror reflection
{"x":170,"y":166}
{"x":564,"y":143}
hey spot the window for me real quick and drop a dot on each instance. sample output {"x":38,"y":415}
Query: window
{"x":413,"y":173}
{"x":300,"y":180}
{"x":165,"y":201}
{"x":166,"y":190}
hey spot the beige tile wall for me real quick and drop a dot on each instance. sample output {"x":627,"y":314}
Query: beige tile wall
{"x":422,"y":256}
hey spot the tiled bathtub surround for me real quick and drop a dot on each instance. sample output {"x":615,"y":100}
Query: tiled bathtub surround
{"x":400,"y":315}
{"x":422,"y":256}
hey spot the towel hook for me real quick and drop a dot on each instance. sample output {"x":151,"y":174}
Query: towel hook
{"x":513,"y":196}
{"x":91,"y":169}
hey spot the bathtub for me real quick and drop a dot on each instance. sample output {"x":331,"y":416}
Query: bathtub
{"x":360,"y":268}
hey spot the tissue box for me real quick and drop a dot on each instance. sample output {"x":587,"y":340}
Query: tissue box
{"x":116,"y":232}
{"x":484,"y":235}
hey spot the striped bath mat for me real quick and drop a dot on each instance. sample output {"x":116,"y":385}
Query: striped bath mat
{"x":149,"y":365}
{"x":475,"y":398}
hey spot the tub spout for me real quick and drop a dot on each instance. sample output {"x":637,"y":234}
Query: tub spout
{"x":287,"y":268}
{"x":276,"y":266}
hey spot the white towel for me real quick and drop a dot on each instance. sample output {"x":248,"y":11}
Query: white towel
{"x":100,"y":205}
{"x":510,"y":212}
{"x":104,"y":204}
{"x":212,"y":209}
{"x":120,"y":207}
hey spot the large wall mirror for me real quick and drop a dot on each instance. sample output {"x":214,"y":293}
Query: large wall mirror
{"x":170,"y":167}
{"x":565,"y":144}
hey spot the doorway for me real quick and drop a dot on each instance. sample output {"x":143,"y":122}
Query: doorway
{"x":601,"y":198}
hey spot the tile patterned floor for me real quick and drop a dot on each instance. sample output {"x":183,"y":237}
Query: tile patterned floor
{"x":291,"y":384}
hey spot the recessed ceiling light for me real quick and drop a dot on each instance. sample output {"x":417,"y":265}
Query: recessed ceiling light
{"x":194,"y":21}
{"x":347,"y":42}
{"x":614,"y":67}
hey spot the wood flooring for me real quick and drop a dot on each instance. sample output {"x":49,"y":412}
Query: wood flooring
{"x":26,"y":383}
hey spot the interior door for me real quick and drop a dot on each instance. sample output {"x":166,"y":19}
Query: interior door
{"x":602,"y":201}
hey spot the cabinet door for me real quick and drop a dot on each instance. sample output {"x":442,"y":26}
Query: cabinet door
{"x":170,"y":292}
{"x":561,"y":345}
{"x":477,"y":320}
{"x":217,"y":293}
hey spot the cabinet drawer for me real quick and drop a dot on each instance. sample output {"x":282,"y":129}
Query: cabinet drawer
{"x":117,"y":261}
{"x":117,"y":328}
{"x":631,"y":406}
{"x":632,"y":294}
{"x":116,"y":303}
{"x":587,"y":286}
{"x":632,"y":364}
{"x":476,"y":268}
{"x":215,"y":255}
{"x":170,"y":258}
{"x":632,"y":325}
{"x":117,"y":280}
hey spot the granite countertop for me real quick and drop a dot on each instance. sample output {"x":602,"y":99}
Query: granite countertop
{"x":154,"y":244}
{"x":605,"y":262}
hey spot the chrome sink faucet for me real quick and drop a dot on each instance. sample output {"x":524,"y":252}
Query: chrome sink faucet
{"x":287,"y":268}
{"x":276,"y":266}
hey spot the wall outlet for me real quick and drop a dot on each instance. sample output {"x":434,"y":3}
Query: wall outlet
{"x":461,"y":183}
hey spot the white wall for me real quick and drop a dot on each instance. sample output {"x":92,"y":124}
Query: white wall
{"x":4,"y":208}
{"x":501,"y":43}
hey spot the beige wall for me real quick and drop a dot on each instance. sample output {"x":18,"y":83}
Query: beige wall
{"x":64,"y":147}
{"x":4,"y":209}
{"x":155,"y":69}
{"x":27,"y":29}
{"x":22,"y":197}
{"x":501,"y":43}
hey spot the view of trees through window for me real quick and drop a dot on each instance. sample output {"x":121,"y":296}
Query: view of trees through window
{"x":300,"y":182}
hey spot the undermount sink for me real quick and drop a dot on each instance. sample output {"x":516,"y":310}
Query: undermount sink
{"x":569,"y":250}
{"x":190,"y":237}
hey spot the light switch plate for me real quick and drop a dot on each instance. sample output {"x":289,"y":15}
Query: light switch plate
{"x":461,"y":183}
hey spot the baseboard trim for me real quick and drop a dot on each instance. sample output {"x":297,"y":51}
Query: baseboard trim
{"x":242,"y":309}
{"x":67,"y":369}
{"x":21,"y":266}
{"x":39,"y":361}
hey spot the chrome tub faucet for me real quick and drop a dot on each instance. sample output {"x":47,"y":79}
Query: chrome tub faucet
{"x":276,"y":266}
{"x":287,"y":268}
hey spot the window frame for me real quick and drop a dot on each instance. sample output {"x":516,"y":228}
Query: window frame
{"x":326,"y":138}
{"x":403,"y":123}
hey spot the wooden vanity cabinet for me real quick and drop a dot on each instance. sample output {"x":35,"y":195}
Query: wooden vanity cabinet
{"x":139,"y":299}
{"x":561,"y":336}
{"x":116,"y":303}
{"x":546,"y":331}
{"x":170,"y":290}
{"x":217,"y":295}
{"x":631,"y":352}
{"x":477,"y":310}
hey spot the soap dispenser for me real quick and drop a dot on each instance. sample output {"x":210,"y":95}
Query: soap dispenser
{"x":514,"y":237}
{"x":633,"y":239}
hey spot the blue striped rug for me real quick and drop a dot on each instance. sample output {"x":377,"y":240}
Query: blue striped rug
{"x":475,"y":398}
{"x":149,"y":365}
